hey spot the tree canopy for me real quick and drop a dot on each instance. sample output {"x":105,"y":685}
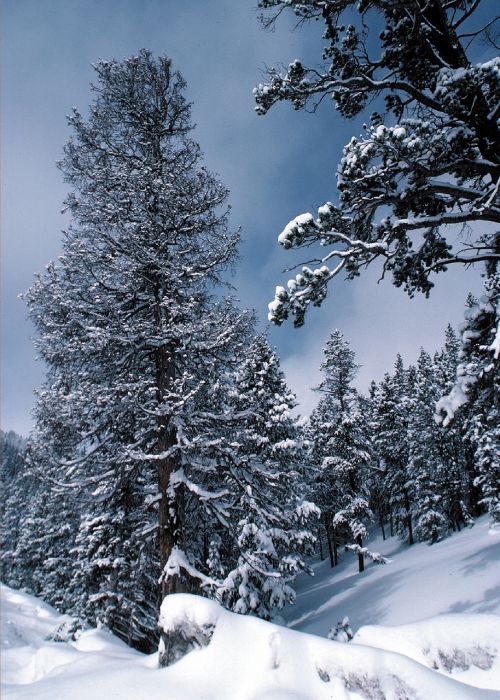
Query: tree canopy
{"x":418,"y":189}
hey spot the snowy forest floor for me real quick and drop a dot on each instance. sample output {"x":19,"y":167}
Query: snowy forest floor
{"x":461,"y":574}
{"x":451,"y":656}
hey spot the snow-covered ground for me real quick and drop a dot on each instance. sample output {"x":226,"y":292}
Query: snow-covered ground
{"x":452,"y":656}
{"x":461,"y":574}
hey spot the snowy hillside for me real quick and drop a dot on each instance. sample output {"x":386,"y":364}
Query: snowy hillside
{"x":452,"y":656}
{"x":461,"y":574}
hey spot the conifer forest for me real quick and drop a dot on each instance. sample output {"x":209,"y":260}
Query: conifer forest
{"x":171,"y":478}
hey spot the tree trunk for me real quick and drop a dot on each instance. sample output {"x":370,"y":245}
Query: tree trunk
{"x":361,"y":558}
{"x":408,"y":519}
{"x":326,"y":521}
{"x":381,"y":520}
{"x":169,"y":515}
{"x":320,"y":542}
{"x":170,"y":506}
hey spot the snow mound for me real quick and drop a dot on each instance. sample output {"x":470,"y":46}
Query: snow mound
{"x":465,"y":646}
{"x":249,"y":658}
{"x":244,"y":658}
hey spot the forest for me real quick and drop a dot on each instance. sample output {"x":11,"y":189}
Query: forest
{"x":168,"y":453}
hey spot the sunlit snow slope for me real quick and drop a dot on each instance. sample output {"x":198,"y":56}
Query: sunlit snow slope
{"x":449,"y":657}
{"x":461,"y":574}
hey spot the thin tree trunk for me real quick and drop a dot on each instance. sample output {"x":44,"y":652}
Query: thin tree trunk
{"x":329,"y":539}
{"x":335,"y":549}
{"x":381,"y":520}
{"x":320,"y":542}
{"x":361,"y":558}
{"x":408,"y":519}
{"x":170,"y":515}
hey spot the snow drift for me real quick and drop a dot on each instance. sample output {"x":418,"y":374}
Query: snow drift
{"x":244,"y":658}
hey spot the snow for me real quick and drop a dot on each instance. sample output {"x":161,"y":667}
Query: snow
{"x":299,"y":224}
{"x":460,"y":574}
{"x":399,"y":653}
{"x":465,"y":646}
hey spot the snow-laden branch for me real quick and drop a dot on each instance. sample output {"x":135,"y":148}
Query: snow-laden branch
{"x":178,"y":562}
{"x":374,"y":556}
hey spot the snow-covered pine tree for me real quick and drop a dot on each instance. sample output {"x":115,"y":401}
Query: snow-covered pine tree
{"x":12,"y":449}
{"x":207,"y":434}
{"x":115,"y":568}
{"x":476,"y":391}
{"x":38,"y":526}
{"x":14,"y":490}
{"x":424,"y":457}
{"x":456,"y":472}
{"x":379,"y":495}
{"x":125,"y":318}
{"x":50,"y":540}
{"x":342,"y":444}
{"x":272,"y":519}
{"x":426,"y":167}
{"x":390,"y":423}
{"x":324,"y":487}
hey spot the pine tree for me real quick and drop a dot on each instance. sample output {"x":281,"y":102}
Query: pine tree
{"x":273,"y":520}
{"x":115,"y":570}
{"x":28,"y":554}
{"x":457,"y":472}
{"x":125,"y":318}
{"x":475,"y":391}
{"x":379,"y":494}
{"x":424,"y":455}
{"x":341,"y":443}
{"x":15,"y":489}
{"x":390,"y":430}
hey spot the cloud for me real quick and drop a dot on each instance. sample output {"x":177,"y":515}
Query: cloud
{"x":276,"y":166}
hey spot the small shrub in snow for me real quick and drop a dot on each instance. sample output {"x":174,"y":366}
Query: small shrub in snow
{"x":67,"y":631}
{"x":342,"y":632}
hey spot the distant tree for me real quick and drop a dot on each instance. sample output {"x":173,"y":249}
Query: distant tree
{"x":458,"y":472}
{"x":115,"y":568}
{"x":15,"y":489}
{"x":127,"y":322}
{"x":341,"y":438}
{"x":427,"y":166}
{"x":12,"y":449}
{"x":474,"y":395}
{"x":424,"y":458}
{"x":390,"y":424}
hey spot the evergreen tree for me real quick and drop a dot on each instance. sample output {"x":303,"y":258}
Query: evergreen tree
{"x":15,"y":489}
{"x":475,"y":392}
{"x":272,"y":518}
{"x":457,"y":472}
{"x":115,"y":569}
{"x":424,"y":455}
{"x":390,"y":426}
{"x":379,"y":500}
{"x":342,"y":445}
{"x":125,"y":318}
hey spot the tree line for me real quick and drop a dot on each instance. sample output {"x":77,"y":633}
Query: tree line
{"x":165,"y":455}
{"x":271,"y":489}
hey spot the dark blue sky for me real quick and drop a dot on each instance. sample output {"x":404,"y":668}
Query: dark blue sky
{"x":276,"y":167}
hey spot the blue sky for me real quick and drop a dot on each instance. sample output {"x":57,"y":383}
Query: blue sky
{"x":276,"y":167}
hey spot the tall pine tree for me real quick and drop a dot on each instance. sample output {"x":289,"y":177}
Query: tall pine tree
{"x":126,"y":320}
